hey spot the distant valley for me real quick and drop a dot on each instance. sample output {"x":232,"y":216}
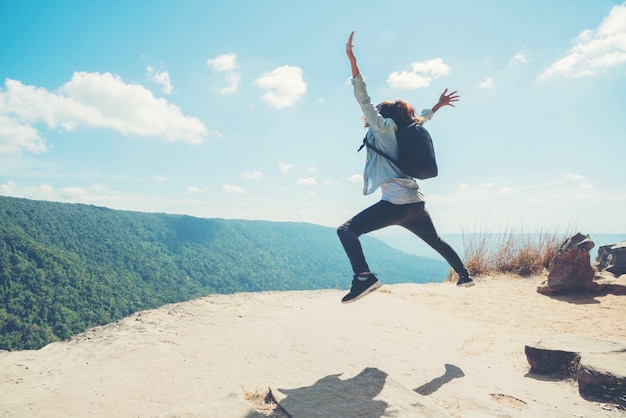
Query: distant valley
{"x":67,"y":267}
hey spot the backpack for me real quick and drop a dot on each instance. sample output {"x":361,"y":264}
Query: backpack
{"x":416,"y":154}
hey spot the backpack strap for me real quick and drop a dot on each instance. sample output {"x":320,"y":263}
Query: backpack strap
{"x":380,"y":152}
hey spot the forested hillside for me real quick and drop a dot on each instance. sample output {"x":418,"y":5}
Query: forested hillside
{"x":67,"y":267}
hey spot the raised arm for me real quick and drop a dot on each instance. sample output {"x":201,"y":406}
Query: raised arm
{"x":445,"y":99}
{"x":374,"y":118}
{"x":351,"y":57}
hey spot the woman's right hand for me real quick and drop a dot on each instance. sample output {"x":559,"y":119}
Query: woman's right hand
{"x":349,"y":47}
{"x":351,"y":57}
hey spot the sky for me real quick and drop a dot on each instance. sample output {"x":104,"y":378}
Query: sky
{"x":243,"y":109}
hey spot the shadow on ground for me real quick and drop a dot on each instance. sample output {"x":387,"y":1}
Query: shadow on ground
{"x":334,"y":397}
{"x":584,"y":297}
{"x":452,"y":372}
{"x":369,"y":394}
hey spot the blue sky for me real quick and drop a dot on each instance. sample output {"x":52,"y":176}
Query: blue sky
{"x":241,"y":109}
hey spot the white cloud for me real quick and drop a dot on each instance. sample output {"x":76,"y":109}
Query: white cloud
{"x":480,"y":188}
{"x":519,"y":58}
{"x":595,"y":51}
{"x":96,"y":194}
{"x":309,"y":181}
{"x":224,"y":62}
{"x":233,"y":79}
{"x":230,"y":188}
{"x":100,"y":188}
{"x":284,"y":85}
{"x":284,"y":167}
{"x":312,"y":168}
{"x":91,"y":100}
{"x":356,"y":178}
{"x":162,"y":78}
{"x":572,"y":176}
{"x":487,"y":84}
{"x":252,"y":175}
{"x":435,"y":67}
{"x":421,"y":74}
{"x":227,"y":63}
{"x":195,"y":189}
{"x":583,"y":183}
{"x":535,"y":202}
{"x":73,"y":194}
{"x":16,"y":136}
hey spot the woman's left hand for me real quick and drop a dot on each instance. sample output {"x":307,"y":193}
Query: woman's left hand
{"x":448,"y":99}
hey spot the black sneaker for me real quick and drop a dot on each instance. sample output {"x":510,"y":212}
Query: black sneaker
{"x":465,"y":281}
{"x":361,"y":288}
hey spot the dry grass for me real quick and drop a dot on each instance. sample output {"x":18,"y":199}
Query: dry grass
{"x":264,"y":403}
{"x":518,"y":253}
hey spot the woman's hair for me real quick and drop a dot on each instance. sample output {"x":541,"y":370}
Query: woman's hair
{"x":400,"y":111}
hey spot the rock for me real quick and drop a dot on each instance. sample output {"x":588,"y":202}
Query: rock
{"x":612,"y":258}
{"x":598,"y":365}
{"x":570,"y":269}
{"x":602,"y":377}
{"x":560,"y":354}
{"x":558,"y":362}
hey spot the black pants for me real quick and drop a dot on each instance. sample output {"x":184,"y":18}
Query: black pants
{"x":413,"y":217}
